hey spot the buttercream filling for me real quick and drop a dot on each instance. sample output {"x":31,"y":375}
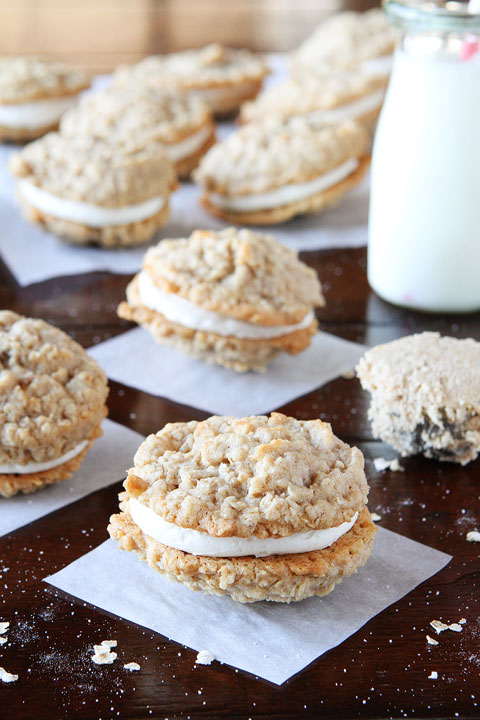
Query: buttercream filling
{"x":200,"y":543}
{"x":286,"y":194}
{"x":86,"y":213}
{"x":183,"y":148}
{"x":181,"y":311}
{"x":36,"y":114}
{"x":378,"y":66}
{"x":350,"y":110}
{"x":35,"y":467}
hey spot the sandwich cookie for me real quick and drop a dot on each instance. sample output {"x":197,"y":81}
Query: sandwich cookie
{"x":34,"y":94}
{"x":425,"y":395}
{"x":348,"y":41}
{"x":233,"y":298}
{"x":256,"y":508}
{"x":52,"y":402}
{"x":222,"y":77}
{"x":321,"y":97}
{"x":268,"y":172}
{"x":181,"y":123}
{"x":90,"y":190}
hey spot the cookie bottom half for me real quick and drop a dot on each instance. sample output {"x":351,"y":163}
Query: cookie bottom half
{"x":280,"y":578}
{"x":110,"y":236}
{"x":24,"y":135}
{"x":12,"y":484}
{"x":312,"y":204}
{"x":186,"y":166}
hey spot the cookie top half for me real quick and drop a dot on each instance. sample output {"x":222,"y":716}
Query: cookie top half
{"x":52,"y":394}
{"x":161,"y":114}
{"x":25,"y":79}
{"x":96,"y":170}
{"x":255,"y":476}
{"x":425,"y":371}
{"x":210,"y":66}
{"x":278,"y":151}
{"x":236,"y":272}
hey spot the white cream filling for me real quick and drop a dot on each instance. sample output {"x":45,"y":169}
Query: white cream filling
{"x":286,"y":194}
{"x":200,"y":543}
{"x":85,"y":213}
{"x":182,"y":149}
{"x":378,"y":66}
{"x":351,"y":110}
{"x":36,"y":114}
{"x":34,"y":467}
{"x":181,"y":311}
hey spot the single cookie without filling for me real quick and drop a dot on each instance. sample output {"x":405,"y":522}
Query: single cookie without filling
{"x":425,"y":395}
{"x":256,"y":508}
{"x":34,"y":94}
{"x":95,"y":190}
{"x":233,"y":298}
{"x":268,"y":172}
{"x":52,"y":402}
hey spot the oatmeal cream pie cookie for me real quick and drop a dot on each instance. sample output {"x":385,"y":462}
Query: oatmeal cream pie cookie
{"x":349,"y":40}
{"x":257,"y":508}
{"x":34,"y":94}
{"x":268,"y":172}
{"x":222,"y":77}
{"x":231,"y":298}
{"x":322,"y":97}
{"x":425,"y":395}
{"x":91,"y":190}
{"x":181,"y":123}
{"x":52,"y":402}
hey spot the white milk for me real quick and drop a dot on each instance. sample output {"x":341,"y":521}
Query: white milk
{"x":424,"y":226}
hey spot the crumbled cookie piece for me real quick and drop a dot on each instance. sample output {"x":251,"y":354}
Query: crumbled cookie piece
{"x":7,"y":677}
{"x":381,"y":464}
{"x":456,"y":627}
{"x":132,"y":666}
{"x":103,"y":654}
{"x":4,"y":626}
{"x":431,"y":641}
{"x":375,"y":517}
{"x":473,"y":536}
{"x":3,"y":640}
{"x":204,"y":657}
{"x":438,"y":626}
{"x":433,"y":675}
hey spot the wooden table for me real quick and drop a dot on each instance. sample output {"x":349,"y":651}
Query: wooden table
{"x":381,"y":671}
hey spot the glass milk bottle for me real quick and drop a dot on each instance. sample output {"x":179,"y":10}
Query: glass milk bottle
{"x":424,"y":223}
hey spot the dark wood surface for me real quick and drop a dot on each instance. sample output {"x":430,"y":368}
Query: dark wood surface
{"x":381,"y":671}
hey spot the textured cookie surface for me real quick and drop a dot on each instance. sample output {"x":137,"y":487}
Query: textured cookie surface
{"x":425,"y":395}
{"x":346,"y":39}
{"x":24,"y":80}
{"x":52,"y":394}
{"x":236,"y":272}
{"x":211,"y":66}
{"x":256,"y":476}
{"x":280,"y":578}
{"x":309,"y":92}
{"x":267,"y":155}
{"x":87,"y":169}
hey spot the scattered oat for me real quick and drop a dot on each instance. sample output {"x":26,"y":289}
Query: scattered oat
{"x":4,"y":627}
{"x":7,"y":677}
{"x":456,"y":627}
{"x":375,"y":517}
{"x":438,"y":626}
{"x":204,"y":657}
{"x":433,"y":675}
{"x":381,"y":464}
{"x":131,"y":666}
{"x":431,"y":641}
{"x":473,"y":536}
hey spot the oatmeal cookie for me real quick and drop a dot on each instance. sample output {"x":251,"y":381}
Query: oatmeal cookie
{"x":425,"y":395}
{"x":232,"y":297}
{"x":52,"y":401}
{"x":109,"y":192}
{"x":258,"y":508}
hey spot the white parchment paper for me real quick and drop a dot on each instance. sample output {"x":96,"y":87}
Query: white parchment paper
{"x":105,"y":463}
{"x":270,"y":640}
{"x":134,"y":359}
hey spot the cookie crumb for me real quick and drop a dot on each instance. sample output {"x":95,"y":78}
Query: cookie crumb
{"x":348,"y":374}
{"x":103,"y":655}
{"x":431,"y":641}
{"x":375,"y":517}
{"x":473,"y":536}
{"x":438,"y":626}
{"x":204,"y":657}
{"x":381,"y":464}
{"x":3,"y":640}
{"x":456,"y":627}
{"x":462,"y":621}
{"x":4,"y":627}
{"x":7,"y":677}
{"x":433,"y":675}
{"x":131,"y":666}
